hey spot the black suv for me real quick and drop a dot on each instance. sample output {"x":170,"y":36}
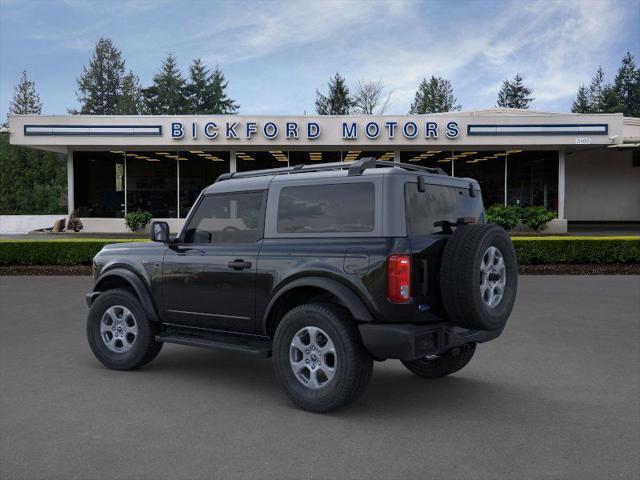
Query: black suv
{"x":325,"y":267}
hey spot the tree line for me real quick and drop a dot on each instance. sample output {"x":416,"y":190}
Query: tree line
{"x":106,"y":88}
{"x":435,"y":95}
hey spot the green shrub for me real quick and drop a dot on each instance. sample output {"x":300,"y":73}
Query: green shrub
{"x":507,"y":217}
{"x":137,"y":220}
{"x":511,"y":215}
{"x":536,"y":217}
{"x":51,"y":252}
{"x":577,"y":250}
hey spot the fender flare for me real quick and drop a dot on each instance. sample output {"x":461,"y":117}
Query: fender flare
{"x":138,"y":285}
{"x":345,"y":294}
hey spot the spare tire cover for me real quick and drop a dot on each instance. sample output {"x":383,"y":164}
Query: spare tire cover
{"x":479,"y":277}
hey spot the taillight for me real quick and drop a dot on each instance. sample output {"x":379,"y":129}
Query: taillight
{"x":399,"y":278}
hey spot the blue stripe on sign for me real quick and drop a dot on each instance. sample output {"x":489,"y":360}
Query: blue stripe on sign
{"x":559,"y":129}
{"x":94,"y":130}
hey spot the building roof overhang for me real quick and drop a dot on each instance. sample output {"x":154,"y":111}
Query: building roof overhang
{"x":478,"y":128}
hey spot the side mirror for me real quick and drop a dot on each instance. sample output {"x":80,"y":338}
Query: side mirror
{"x":160,"y":232}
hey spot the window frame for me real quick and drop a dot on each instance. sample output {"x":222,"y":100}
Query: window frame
{"x":261,"y":224}
{"x":273,"y":202}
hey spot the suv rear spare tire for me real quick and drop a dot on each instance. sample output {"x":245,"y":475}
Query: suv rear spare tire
{"x":479,"y":277}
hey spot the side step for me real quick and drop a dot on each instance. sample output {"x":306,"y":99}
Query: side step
{"x":255,"y":345}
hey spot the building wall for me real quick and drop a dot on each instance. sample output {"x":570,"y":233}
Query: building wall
{"x":13,"y":224}
{"x":602,"y":185}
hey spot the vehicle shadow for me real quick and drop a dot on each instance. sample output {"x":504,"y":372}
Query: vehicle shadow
{"x":392,"y":391}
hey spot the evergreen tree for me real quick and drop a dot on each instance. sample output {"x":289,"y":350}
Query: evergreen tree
{"x":31,"y":181}
{"x":206,"y":92}
{"x":514,"y":94}
{"x":596,"y":91}
{"x":338,"y":101}
{"x":433,"y":96}
{"x":196,"y":89}
{"x":218,"y":100}
{"x":627,"y":86}
{"x":167,"y":95}
{"x":610,"y":101}
{"x":130,"y":101}
{"x":100,"y":85}
{"x":581,"y":104}
{"x":25,"y":99}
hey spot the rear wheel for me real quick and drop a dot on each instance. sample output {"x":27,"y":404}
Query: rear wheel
{"x":319,"y":358}
{"x":119,"y":333}
{"x":441,"y":365}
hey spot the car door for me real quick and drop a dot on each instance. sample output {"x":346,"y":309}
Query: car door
{"x":209,"y":273}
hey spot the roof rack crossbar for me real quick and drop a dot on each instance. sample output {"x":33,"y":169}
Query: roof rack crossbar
{"x":355,"y":168}
{"x":359,"y":166}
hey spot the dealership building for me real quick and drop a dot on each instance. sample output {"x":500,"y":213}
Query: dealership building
{"x":586,"y":168}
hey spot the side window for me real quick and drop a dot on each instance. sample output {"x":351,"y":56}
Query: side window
{"x":423,"y":209}
{"x":227,"y":218}
{"x":344,"y":207}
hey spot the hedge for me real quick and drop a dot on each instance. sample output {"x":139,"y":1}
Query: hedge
{"x":577,"y":250}
{"x":530,"y":250}
{"x":72,"y":251}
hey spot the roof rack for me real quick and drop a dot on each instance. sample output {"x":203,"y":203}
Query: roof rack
{"x":355,"y":168}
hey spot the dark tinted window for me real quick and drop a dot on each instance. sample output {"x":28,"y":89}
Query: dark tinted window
{"x":437,"y":203}
{"x":233,"y":218}
{"x":345,"y":207}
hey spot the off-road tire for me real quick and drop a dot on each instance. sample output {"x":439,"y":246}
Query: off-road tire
{"x":144,"y":349}
{"x":460,"y":277}
{"x":353,"y":363}
{"x":446,"y":364}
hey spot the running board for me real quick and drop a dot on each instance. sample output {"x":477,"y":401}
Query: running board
{"x":256,"y":346}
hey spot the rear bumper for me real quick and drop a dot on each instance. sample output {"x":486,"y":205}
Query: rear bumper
{"x":406,"y":341}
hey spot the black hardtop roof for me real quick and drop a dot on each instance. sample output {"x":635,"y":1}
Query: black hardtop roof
{"x":257,"y":179}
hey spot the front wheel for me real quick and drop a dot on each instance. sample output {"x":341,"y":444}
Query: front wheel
{"x":119,"y":333}
{"x":442,"y":365}
{"x":319,"y":358}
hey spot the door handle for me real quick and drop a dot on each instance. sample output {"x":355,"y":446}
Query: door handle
{"x":239,"y":264}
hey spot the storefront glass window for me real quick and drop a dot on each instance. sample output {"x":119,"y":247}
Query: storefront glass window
{"x":152,"y":184}
{"x":198,"y":170}
{"x":430,"y":157}
{"x":99,"y":184}
{"x":485,"y":167}
{"x":355,"y":154}
{"x":311,"y":157}
{"x":532,"y":179}
{"x":260,"y":160}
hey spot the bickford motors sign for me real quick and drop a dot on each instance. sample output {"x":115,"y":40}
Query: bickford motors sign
{"x":295,"y":130}
{"x":233,"y":131}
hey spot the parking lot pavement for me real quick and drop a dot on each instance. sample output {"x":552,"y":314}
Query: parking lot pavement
{"x":555,"y":397}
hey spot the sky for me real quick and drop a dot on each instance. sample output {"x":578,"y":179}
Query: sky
{"x":276,"y":54}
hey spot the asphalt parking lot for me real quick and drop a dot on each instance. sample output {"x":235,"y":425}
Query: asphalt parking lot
{"x":557,"y":396}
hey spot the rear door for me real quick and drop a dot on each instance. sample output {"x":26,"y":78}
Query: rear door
{"x":209,"y":275}
{"x":427,"y":213}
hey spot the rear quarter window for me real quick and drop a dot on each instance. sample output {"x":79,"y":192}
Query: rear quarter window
{"x":338,"y":208}
{"x":423,"y":209}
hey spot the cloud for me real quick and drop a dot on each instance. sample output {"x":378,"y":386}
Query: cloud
{"x":277,"y":53}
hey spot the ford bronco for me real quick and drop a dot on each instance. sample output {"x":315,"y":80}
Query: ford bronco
{"x":326,"y":268}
